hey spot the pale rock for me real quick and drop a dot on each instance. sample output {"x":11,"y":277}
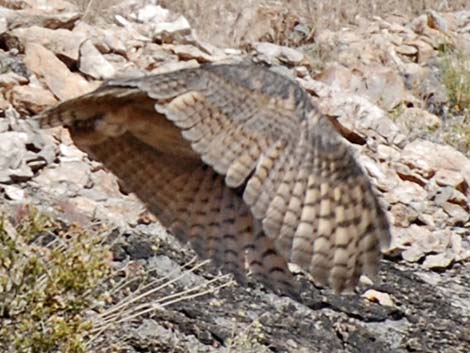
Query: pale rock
{"x":382,"y":298}
{"x":270,"y":53}
{"x":60,"y":41}
{"x":3,"y":25}
{"x":439,"y":261}
{"x":176,"y":65}
{"x":51,"y":5}
{"x":178,"y":27}
{"x":383,"y":176}
{"x":440,"y":194}
{"x":428,"y":157}
{"x":456,"y":242}
{"x":93,"y":63}
{"x":28,"y":18}
{"x":65,"y":179}
{"x":106,"y":184}
{"x":387,"y":153}
{"x":14,"y":193}
{"x":60,"y":80}
{"x":440,"y":217}
{"x":424,"y":50}
{"x":426,"y":219}
{"x":436,"y":21}
{"x":10,"y":79}
{"x":445,"y":177}
{"x":4,"y":125}
{"x":384,"y":87}
{"x":418,"y":241}
{"x":70,"y":153}
{"x":409,"y":174}
{"x":115,"y":42}
{"x":403,"y":215}
{"x":414,"y":120}
{"x":406,"y":192}
{"x":188,"y":52}
{"x":429,"y":241}
{"x":122,"y":211}
{"x":31,"y":99}
{"x":457,"y":213}
{"x":79,"y":210}
{"x":413,"y":254}
{"x":356,"y":114}
{"x":408,"y":50}
{"x":13,"y":152}
{"x":151,"y":13}
{"x":459,"y":198}
{"x":340,"y":77}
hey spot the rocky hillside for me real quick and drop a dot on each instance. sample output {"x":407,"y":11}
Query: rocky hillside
{"x":397,"y":88}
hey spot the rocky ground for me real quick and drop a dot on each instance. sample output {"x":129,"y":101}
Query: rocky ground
{"x":383,"y":84}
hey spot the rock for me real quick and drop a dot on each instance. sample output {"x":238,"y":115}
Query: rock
{"x":439,"y":261}
{"x":28,"y":18}
{"x":457,"y":213}
{"x":272,"y":53}
{"x":407,"y":193}
{"x":31,"y":99}
{"x":177,"y":65}
{"x":151,"y":13}
{"x":403,"y":215}
{"x":427,"y":158}
{"x":416,"y":121}
{"x":10,"y":79}
{"x":387,"y":153}
{"x":189,"y":52}
{"x":454,"y":179}
{"x":4,"y":126}
{"x":93,"y":63}
{"x":168,"y":31}
{"x":14,"y":193}
{"x":66,"y":179}
{"x":356,"y":115}
{"x":61,"y":42}
{"x":13,"y":152}
{"x":424,"y":50}
{"x":379,"y":297}
{"x":413,"y":254}
{"x":59,"y":79}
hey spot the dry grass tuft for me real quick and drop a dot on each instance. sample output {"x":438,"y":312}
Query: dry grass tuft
{"x":455,"y":69}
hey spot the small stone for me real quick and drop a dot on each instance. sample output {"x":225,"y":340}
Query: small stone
{"x":382,"y":298}
{"x":445,"y":177}
{"x":439,"y":261}
{"x":171,"y":29}
{"x":31,"y":99}
{"x":457,"y":213}
{"x":93,"y":63}
{"x":14,"y":193}
{"x":413,"y":254}
{"x":60,"y":41}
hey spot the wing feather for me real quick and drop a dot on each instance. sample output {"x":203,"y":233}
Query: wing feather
{"x":313,"y":204}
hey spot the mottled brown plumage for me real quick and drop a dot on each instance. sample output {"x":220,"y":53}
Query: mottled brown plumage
{"x":238,"y":161}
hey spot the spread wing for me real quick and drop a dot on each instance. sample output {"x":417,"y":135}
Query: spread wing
{"x":260,"y":133}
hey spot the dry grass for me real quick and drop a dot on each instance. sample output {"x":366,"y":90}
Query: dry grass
{"x":234,"y":23}
{"x":227,"y":23}
{"x":455,"y":69}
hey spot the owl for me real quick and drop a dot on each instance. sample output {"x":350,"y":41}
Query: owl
{"x":236,"y":160}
